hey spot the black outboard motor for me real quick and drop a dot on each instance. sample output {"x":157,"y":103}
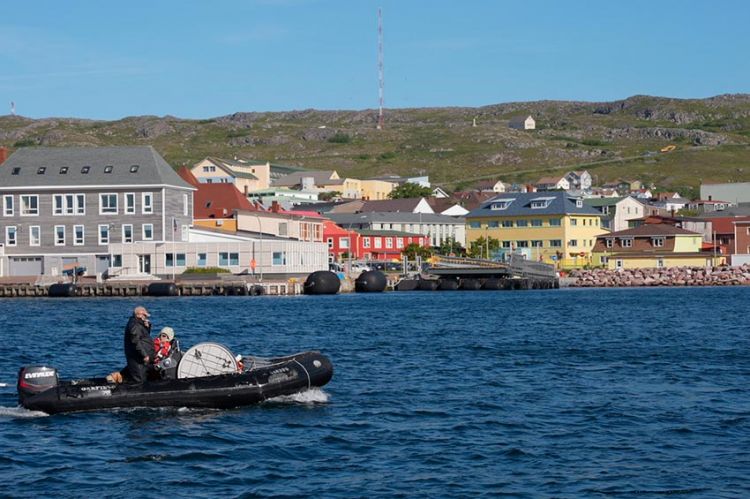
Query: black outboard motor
{"x":35,"y":379}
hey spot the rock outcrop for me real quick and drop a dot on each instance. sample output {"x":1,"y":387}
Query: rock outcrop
{"x":672,"y":276}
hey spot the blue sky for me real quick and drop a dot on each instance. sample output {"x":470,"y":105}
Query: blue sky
{"x":108,"y":60}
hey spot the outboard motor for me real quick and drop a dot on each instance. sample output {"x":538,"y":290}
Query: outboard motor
{"x":35,"y":379}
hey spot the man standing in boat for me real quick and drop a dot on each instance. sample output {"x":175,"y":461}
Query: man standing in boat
{"x":139,"y":347}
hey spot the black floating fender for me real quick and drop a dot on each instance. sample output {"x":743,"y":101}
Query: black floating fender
{"x":407,"y":285}
{"x":427,"y":284}
{"x":257,"y":290}
{"x":67,"y":289}
{"x":322,"y":282}
{"x":447,"y":284}
{"x":470,"y":284}
{"x":162,"y":289}
{"x":370,"y":281}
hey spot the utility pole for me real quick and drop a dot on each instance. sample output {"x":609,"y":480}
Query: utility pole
{"x":381,"y":119}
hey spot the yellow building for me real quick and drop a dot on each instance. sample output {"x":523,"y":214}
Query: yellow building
{"x":651,"y":246}
{"x":374,"y":190}
{"x":551,"y":227}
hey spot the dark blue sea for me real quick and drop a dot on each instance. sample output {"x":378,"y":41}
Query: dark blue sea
{"x":558,"y":393}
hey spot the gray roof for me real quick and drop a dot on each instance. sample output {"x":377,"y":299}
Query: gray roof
{"x":390,"y":217}
{"x":561,"y":203}
{"x":65,"y":166}
{"x":320,"y":178}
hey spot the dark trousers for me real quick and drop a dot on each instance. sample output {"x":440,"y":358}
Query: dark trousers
{"x":135,"y":371}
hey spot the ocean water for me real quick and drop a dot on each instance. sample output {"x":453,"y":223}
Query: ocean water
{"x":557,"y":393}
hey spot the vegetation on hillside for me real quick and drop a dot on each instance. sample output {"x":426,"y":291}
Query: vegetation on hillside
{"x":612,"y":140}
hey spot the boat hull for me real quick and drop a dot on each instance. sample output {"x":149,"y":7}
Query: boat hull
{"x":270,"y":378}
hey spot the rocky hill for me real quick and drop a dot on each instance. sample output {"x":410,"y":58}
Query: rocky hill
{"x":455,"y":146}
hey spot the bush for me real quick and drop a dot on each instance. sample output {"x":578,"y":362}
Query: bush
{"x":25,"y":143}
{"x":206,"y":270}
{"x":340,"y":138}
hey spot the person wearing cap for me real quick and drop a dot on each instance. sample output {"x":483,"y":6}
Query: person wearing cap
{"x":139,"y":349}
{"x":163,"y":344}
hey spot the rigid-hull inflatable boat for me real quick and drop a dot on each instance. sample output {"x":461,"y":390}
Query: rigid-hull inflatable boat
{"x":39,"y":388}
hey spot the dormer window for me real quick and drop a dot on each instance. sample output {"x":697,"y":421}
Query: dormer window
{"x":41,"y":170}
{"x":108,"y":169}
{"x":539,"y":203}
{"x":133,"y":168}
{"x":63,"y":170}
{"x":501,"y":204}
{"x":627,"y":242}
{"x":609,"y":242}
{"x":16,"y":170}
{"x":85,"y":169}
{"x":657,"y":242}
{"x":579,"y":203}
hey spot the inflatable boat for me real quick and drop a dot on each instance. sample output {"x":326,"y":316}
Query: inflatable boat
{"x":207,"y":376}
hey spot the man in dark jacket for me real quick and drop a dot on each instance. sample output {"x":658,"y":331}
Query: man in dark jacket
{"x":139,"y":347}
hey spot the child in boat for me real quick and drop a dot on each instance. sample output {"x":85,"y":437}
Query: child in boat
{"x":163,"y":344}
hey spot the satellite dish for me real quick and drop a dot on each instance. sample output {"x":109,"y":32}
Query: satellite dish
{"x":206,"y":359}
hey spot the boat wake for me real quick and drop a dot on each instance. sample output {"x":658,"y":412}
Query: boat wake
{"x":20,"y":412}
{"x":311,"y":396}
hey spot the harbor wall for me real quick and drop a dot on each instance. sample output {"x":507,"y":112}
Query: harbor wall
{"x":672,"y":276}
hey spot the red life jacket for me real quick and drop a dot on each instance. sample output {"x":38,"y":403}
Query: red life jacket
{"x":161,"y":349}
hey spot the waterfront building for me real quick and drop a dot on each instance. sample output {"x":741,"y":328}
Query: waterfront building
{"x":552,"y":227}
{"x":652,"y":246}
{"x":438,"y":229}
{"x":617,"y":212}
{"x":64,"y":206}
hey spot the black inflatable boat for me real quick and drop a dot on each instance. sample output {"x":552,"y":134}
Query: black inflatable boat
{"x":39,"y":388}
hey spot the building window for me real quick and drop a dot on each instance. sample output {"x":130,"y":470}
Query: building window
{"x":201,"y":260}
{"x":8,"y":206}
{"x":133,"y":168}
{"x":507,"y":223}
{"x":58,"y":201}
{"x":604,"y":260}
{"x":330,"y":243}
{"x":344,"y":243}
{"x":227,"y":258}
{"x":660,"y":263}
{"x":108,"y":204}
{"x":85,"y":169}
{"x":78,"y":235}
{"x":174,"y":259}
{"x":608,"y":242}
{"x":555,"y":222}
{"x":11,"y":236}
{"x":618,"y":263}
{"x":130,"y":203}
{"x":658,"y":242}
{"x":59,"y":235}
{"x":35,"y":235}
{"x":399,"y":242}
{"x":185,"y":205}
{"x":522,"y":223}
{"x":555,"y":243}
{"x":108,"y":169}
{"x":536,"y":222}
{"x":103,"y":234}
{"x":537,"y":244}
{"x":522,"y":244}
{"x":627,"y":243}
{"x":573,"y":243}
{"x":389,"y":242}
{"x":573,"y":222}
{"x":184,"y":233}
{"x":29,"y":205}
{"x":147,"y":203}
{"x":378,"y":242}
{"x":475,"y":225}
{"x":493,"y":224}
{"x":506,"y":244}
{"x":279,"y":258}
{"x":148,"y":232}
{"x":283,"y":229}
{"x":80,"y":204}
{"x":127,"y":233}
{"x":117,"y":261}
{"x":365,"y":242}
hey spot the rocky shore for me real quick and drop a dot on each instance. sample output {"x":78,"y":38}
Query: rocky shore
{"x":674,"y":276}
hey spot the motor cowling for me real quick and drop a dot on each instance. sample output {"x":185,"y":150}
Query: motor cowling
{"x":35,"y":379}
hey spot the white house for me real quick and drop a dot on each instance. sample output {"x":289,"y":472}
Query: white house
{"x":552,"y":184}
{"x":521,"y":123}
{"x":580,"y":180}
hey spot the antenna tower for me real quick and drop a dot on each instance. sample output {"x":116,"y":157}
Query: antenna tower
{"x":381,"y":120}
{"x":12,"y":108}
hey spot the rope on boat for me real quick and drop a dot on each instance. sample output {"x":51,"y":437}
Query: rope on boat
{"x":309,"y":382}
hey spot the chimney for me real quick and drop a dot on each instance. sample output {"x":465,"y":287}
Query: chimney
{"x":275,"y":206}
{"x":3,"y":154}
{"x":246,"y":190}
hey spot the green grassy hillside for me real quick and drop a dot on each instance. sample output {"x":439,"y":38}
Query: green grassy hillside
{"x":612,"y":140}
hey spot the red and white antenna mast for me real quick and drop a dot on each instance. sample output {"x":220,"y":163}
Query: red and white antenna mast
{"x":381,"y":120}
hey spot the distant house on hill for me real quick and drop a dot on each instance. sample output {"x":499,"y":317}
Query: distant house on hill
{"x":245,"y":176}
{"x":552,"y":184}
{"x":580,"y":180}
{"x":492,"y":186}
{"x":521,"y":123}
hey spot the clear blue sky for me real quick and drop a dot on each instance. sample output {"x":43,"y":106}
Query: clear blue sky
{"x":108,"y":60}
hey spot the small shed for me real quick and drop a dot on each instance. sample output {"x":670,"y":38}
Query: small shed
{"x":522,"y":123}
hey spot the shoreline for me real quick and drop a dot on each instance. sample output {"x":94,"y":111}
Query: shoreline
{"x":664,"y":277}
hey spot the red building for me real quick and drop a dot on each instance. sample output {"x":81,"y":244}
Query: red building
{"x":368,"y":244}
